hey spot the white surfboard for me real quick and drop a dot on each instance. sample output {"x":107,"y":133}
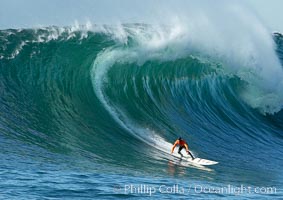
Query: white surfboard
{"x":201,"y":161}
{"x":197,"y":161}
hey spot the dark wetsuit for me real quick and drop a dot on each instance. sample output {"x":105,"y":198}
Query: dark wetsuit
{"x":182,"y":144}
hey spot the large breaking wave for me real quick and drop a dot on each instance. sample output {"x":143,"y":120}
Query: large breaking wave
{"x":134,"y":88}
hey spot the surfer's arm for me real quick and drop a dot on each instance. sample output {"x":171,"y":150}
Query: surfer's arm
{"x":175,"y":144}
{"x":187,"y":148}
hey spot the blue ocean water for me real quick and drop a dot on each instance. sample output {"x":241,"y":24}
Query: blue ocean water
{"x":92,"y":114}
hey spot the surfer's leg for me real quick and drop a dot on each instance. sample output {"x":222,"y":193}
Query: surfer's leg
{"x":191,"y":155}
{"x":180,"y":149}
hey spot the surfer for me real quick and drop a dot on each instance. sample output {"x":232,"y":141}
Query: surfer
{"x":182,"y":144}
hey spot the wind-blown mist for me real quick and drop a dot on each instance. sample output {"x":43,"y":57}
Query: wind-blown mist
{"x":240,"y":42}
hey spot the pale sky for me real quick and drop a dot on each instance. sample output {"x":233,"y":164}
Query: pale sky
{"x":34,"y":13}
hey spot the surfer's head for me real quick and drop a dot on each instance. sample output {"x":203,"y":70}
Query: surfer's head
{"x":179,"y":138}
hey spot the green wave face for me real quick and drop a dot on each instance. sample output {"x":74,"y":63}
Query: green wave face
{"x":122,"y":96}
